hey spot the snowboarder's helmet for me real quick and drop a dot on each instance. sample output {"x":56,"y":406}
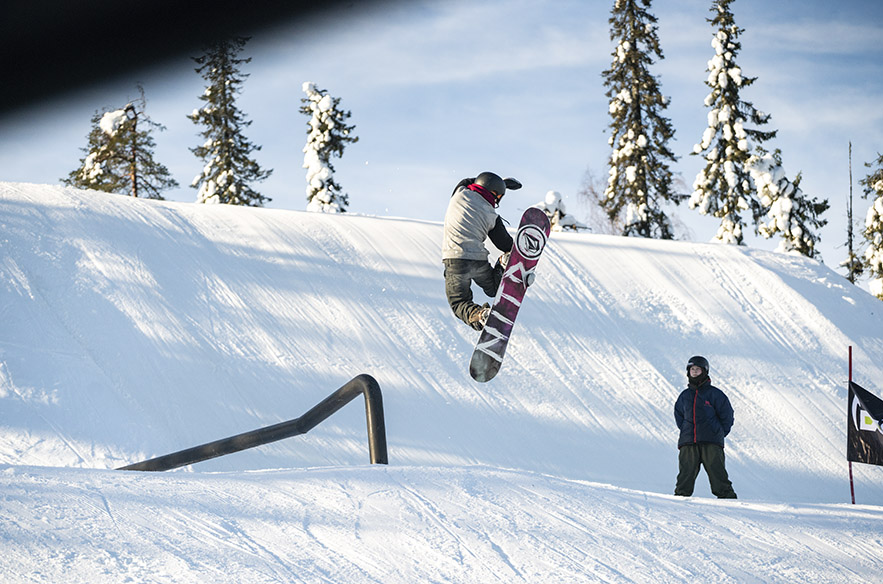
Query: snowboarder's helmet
{"x":697,"y":361}
{"x":493,"y":183}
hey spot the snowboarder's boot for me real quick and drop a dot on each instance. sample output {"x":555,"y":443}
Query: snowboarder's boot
{"x":479,"y":317}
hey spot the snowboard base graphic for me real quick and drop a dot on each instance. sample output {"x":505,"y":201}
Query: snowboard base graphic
{"x":533,"y":232}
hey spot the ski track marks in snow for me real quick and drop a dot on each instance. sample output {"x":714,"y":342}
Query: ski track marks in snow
{"x":231,"y":299}
{"x":188,"y":323}
{"x":136,"y":328}
{"x":403,"y":524}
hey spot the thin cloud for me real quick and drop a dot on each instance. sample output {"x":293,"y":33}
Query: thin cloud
{"x":819,"y":37}
{"x":457,"y":42}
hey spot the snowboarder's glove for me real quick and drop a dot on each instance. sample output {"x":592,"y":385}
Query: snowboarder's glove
{"x":512,"y":184}
{"x":504,"y":259}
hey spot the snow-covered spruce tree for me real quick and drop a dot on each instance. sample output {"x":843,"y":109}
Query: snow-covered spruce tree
{"x":724,"y":188}
{"x":327,"y":134}
{"x":229,"y":169}
{"x":873,"y":258}
{"x":639,"y":177}
{"x":790,"y":212}
{"x":119,"y":157}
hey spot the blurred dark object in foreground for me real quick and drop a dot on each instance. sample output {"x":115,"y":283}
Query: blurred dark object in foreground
{"x":50,"y":47}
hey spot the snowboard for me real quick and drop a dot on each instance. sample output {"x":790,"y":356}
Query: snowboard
{"x":529,"y":241}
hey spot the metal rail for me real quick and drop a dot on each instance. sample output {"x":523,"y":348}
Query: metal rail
{"x":363,"y":384}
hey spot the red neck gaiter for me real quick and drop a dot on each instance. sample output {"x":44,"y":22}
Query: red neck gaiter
{"x":486,"y":194}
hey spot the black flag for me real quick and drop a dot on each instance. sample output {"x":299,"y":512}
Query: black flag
{"x":864,"y":437}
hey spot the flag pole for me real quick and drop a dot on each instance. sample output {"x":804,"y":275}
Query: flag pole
{"x":851,"y":484}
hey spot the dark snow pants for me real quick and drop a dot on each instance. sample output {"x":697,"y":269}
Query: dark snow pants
{"x":459,"y":275}
{"x":711,"y":456}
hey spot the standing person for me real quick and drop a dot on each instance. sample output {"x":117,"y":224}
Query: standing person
{"x":704,"y":416}
{"x":470,"y":219}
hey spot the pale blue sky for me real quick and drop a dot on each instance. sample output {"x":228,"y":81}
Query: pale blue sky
{"x":443,"y":90}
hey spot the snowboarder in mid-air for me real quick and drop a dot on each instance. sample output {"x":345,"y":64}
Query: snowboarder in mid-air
{"x":470,"y":219}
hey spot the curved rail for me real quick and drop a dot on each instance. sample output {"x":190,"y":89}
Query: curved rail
{"x":362,"y":384}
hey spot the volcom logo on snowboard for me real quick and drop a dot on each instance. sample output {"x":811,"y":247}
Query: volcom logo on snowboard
{"x":530,"y":241}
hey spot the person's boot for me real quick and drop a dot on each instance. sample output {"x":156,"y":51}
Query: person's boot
{"x":480,"y":316}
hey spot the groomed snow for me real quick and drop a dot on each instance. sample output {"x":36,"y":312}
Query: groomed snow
{"x":137,"y":328}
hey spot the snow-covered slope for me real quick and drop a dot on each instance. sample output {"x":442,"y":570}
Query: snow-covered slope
{"x":411,"y":524}
{"x":133,"y":328}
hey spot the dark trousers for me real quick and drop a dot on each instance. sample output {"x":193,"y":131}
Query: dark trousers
{"x":459,"y":275}
{"x":711,"y":456}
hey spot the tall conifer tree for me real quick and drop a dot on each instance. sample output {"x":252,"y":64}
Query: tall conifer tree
{"x":639,"y":178}
{"x":327,"y":135}
{"x":229,"y":169}
{"x":724,"y":188}
{"x":873,"y":232}
{"x":119,"y":156}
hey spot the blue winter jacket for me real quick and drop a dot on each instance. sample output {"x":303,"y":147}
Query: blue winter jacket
{"x":703,"y":414}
